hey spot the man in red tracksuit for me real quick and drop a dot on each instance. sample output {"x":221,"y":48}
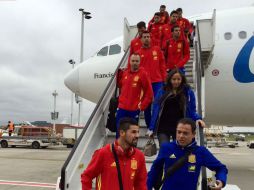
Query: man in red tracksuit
{"x":183,"y":23}
{"x":136,"y":43}
{"x":136,"y":91}
{"x":164,"y":16}
{"x":131,"y":161}
{"x":177,"y":51}
{"x":152,"y":60}
{"x":166,"y":31}
{"x":155,"y":29}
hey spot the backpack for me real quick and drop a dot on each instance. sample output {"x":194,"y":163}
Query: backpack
{"x":111,"y":120}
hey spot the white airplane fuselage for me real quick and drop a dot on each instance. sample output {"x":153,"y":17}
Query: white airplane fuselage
{"x":227,"y":100}
{"x":228,"y":91}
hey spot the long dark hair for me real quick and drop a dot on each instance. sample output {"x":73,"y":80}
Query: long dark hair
{"x":181,"y":90}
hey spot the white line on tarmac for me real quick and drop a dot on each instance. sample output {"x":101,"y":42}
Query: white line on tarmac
{"x":28,"y":184}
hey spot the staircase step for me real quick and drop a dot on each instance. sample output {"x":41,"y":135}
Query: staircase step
{"x":190,"y":80}
{"x":189,"y":69}
{"x":189,"y":74}
{"x":189,"y":65}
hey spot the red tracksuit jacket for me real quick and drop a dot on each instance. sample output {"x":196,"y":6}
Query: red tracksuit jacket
{"x":136,"y":44}
{"x":167,"y":34}
{"x":136,"y":88}
{"x":155,"y":30}
{"x":164,"y":18}
{"x":103,"y":168}
{"x":178,"y":53}
{"x":153,"y":61}
{"x":184,"y":24}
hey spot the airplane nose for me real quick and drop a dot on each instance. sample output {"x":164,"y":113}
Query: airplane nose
{"x":72,"y":80}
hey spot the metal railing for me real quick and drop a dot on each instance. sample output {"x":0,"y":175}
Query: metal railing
{"x":199,"y":73}
{"x":91,"y":138}
{"x":198,"y":52}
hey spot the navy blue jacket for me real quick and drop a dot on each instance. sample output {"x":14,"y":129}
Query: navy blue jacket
{"x":190,"y":107}
{"x":187,"y":176}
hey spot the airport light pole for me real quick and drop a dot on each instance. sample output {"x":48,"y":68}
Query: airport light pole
{"x":84,"y":15}
{"x":72,"y":94}
{"x":54,"y":115}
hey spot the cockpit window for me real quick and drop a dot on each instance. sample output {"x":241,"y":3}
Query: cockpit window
{"x":114,"y":49}
{"x":242,"y":35}
{"x":228,"y":36}
{"x":103,"y":51}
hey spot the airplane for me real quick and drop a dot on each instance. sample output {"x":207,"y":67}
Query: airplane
{"x":228,"y":81}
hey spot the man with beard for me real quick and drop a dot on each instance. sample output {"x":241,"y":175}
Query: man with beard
{"x":177,"y":51}
{"x":136,"y":91}
{"x":131,"y":160}
{"x":152,"y":60}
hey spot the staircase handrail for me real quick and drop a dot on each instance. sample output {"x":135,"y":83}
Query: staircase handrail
{"x":199,"y":72}
{"x":96,"y":109}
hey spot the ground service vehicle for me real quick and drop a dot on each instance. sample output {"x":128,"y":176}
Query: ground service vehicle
{"x":30,"y":136}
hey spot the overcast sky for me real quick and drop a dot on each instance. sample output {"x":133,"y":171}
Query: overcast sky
{"x":38,"y":37}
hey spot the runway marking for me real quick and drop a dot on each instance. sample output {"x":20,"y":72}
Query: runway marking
{"x":39,"y":159}
{"x":239,"y":153}
{"x":28,"y":184}
{"x":233,"y":153}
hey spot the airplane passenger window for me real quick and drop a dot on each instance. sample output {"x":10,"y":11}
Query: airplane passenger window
{"x":103,"y":51}
{"x":114,"y":49}
{"x":242,"y":35}
{"x":228,"y":36}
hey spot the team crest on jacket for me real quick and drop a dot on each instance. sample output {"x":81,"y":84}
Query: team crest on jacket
{"x":134,"y":164}
{"x":136,"y":78}
{"x":179,"y":45}
{"x":113,"y":164}
{"x":192,"y":158}
{"x":154,"y":53}
{"x":172,"y":156}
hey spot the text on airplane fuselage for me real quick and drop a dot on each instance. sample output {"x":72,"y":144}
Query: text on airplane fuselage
{"x":103,"y":75}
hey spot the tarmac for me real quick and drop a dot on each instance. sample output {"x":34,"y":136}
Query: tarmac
{"x":38,"y":169}
{"x":31,"y":169}
{"x":240,"y":163}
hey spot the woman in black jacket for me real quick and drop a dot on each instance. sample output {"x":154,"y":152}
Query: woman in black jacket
{"x":173,"y":102}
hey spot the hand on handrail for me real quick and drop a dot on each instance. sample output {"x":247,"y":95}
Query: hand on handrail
{"x":149,"y":133}
{"x":200,"y":123}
